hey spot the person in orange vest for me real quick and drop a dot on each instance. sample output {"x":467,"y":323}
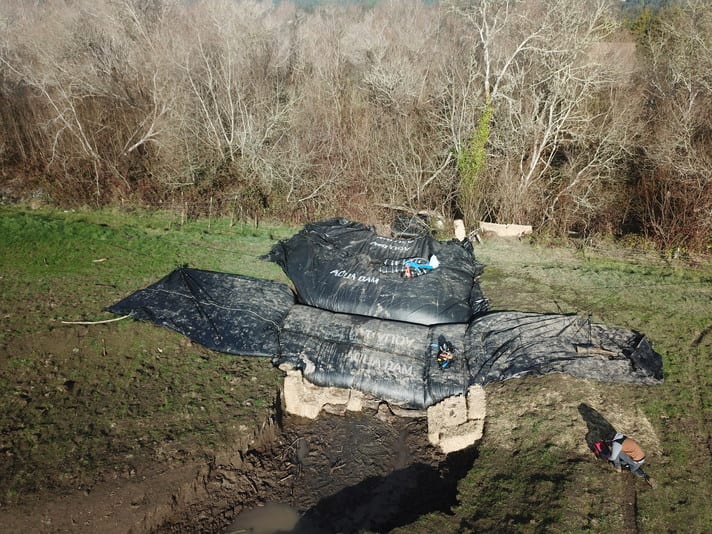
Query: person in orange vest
{"x":626,"y":451}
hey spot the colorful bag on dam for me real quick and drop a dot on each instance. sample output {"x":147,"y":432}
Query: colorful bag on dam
{"x":345,"y":267}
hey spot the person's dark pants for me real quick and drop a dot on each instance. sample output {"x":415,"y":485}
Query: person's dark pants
{"x":635,"y":467}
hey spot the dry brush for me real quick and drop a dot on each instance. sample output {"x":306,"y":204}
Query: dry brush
{"x":533,"y":111}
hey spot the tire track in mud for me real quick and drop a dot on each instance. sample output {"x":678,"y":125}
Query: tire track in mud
{"x":630,"y":504}
{"x":695,"y":368}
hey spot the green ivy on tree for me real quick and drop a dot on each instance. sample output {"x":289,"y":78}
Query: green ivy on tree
{"x":472,"y":158}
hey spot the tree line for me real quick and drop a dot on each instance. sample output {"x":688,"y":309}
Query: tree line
{"x":570,"y":116}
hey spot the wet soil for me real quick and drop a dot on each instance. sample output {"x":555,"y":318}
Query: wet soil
{"x":114,"y":428}
{"x":368,"y":471}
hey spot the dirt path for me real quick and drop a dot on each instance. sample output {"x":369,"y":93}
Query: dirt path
{"x":114,"y":506}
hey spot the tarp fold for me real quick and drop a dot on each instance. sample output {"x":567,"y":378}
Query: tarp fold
{"x":337,"y":265}
{"x":224,"y":312}
{"x":391,"y":360}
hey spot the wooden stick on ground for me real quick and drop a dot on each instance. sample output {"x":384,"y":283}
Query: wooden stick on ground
{"x":97,"y":322}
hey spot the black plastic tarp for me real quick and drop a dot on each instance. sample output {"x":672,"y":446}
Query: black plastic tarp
{"x":224,"y":312}
{"x":339,"y":265}
{"x":392,"y":360}
{"x":398,"y":362}
{"x":505,"y":345}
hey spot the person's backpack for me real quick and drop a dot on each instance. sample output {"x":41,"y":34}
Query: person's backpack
{"x":601,"y":449}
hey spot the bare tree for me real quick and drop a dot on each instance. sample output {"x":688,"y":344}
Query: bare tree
{"x":676,"y":189}
{"x":99,"y":106}
{"x":495,"y":47}
{"x":508,"y":110}
{"x":540,"y":117}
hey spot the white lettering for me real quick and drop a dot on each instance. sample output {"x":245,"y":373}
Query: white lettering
{"x":384,"y":339}
{"x":390,"y":246}
{"x":353,"y":276}
{"x":391,"y":367}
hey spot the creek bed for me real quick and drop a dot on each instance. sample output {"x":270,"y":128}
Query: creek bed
{"x":368,"y":470}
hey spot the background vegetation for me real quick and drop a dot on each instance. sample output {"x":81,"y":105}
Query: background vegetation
{"x":588,"y":117}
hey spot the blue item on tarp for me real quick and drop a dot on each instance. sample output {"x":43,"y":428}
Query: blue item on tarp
{"x":336,"y":265}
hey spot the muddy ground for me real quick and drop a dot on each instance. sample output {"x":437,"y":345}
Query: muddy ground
{"x":122,"y":427}
{"x":370,"y":471}
{"x":367,"y":471}
{"x":361,"y":472}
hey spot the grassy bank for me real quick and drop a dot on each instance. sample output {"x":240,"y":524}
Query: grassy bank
{"x":87,"y":401}
{"x":534,"y":473}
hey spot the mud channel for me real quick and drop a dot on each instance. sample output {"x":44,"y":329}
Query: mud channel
{"x":368,"y":471}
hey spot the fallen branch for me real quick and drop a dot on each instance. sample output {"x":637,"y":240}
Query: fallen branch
{"x":97,"y":322}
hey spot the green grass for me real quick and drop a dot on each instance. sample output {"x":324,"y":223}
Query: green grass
{"x":80,"y":402}
{"x":100,"y":399}
{"x":532,"y":474}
